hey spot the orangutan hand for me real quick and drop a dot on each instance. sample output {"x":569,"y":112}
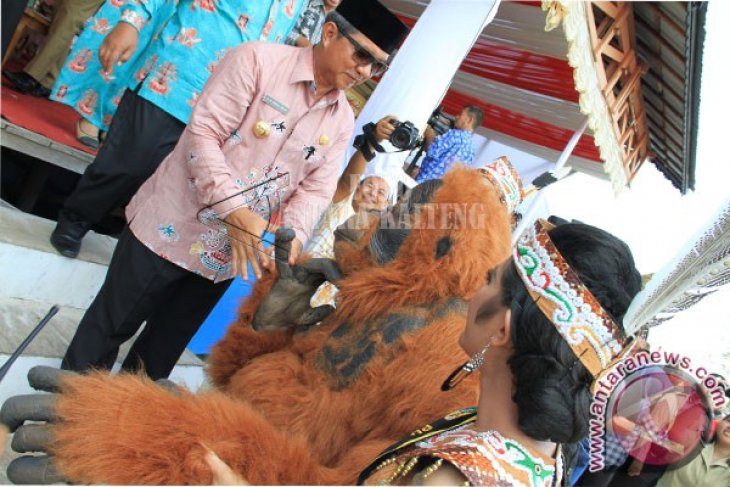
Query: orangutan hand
{"x":33,"y":437}
{"x":37,"y":437}
{"x":287,"y":304}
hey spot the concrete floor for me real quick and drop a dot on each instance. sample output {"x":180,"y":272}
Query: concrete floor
{"x":35,"y":277}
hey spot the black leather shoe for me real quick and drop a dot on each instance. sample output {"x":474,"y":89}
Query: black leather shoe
{"x":40,"y":91}
{"x":66,"y":237}
{"x":23,"y":82}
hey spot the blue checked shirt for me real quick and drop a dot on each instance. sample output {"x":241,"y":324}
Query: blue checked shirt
{"x":446,"y":149}
{"x":615,"y":452}
{"x":176,"y":65}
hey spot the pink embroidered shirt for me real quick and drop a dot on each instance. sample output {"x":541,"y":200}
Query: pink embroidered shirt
{"x":258,"y":87}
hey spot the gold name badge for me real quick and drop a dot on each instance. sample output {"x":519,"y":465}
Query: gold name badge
{"x":261,"y":129}
{"x":324,"y":140}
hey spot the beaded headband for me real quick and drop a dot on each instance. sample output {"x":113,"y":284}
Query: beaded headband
{"x":503,"y":175}
{"x":593,"y":335}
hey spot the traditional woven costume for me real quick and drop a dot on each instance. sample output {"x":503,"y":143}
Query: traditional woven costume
{"x":484,"y":458}
{"x":503,"y":174}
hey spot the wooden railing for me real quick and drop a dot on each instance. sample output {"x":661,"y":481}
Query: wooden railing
{"x":611,"y":26}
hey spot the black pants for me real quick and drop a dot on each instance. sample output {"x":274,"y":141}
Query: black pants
{"x":142,"y":286}
{"x":139,"y":138}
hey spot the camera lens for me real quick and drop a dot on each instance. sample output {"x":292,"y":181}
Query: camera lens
{"x":404,"y":136}
{"x":400,"y":138}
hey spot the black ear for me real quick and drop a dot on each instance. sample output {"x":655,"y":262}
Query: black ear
{"x":442,"y":247}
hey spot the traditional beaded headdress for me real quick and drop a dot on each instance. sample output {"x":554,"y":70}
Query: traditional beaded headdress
{"x":593,"y":335}
{"x":503,"y":175}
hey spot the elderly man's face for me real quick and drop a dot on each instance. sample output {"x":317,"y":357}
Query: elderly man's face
{"x":371,"y":194}
{"x":341,"y":66}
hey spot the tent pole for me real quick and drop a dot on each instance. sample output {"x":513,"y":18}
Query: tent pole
{"x":529,"y":216}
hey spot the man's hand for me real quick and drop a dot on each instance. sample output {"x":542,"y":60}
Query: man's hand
{"x":245,"y":229}
{"x":118,"y":46}
{"x":222,"y":473}
{"x":384,"y":128}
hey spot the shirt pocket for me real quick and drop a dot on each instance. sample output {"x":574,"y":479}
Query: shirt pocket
{"x":293,"y":156}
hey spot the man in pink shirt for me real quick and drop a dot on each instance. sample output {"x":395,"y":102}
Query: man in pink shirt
{"x":267,"y":133}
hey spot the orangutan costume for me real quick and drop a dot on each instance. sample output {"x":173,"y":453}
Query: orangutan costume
{"x":304,"y":406}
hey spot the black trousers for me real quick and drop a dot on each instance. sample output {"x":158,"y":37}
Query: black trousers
{"x":142,"y":286}
{"x":139,"y":138}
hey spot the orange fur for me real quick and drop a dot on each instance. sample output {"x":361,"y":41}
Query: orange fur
{"x":241,"y":343}
{"x":415,"y":276}
{"x":312,"y":407}
{"x":154,"y":436}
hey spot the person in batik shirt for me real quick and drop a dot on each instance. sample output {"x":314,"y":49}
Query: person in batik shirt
{"x":267,"y":134}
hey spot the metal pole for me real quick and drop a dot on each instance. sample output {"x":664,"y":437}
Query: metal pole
{"x":6,"y":366}
{"x":529,"y":216}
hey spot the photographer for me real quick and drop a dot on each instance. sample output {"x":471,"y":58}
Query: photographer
{"x":353,"y":192}
{"x":453,"y":146}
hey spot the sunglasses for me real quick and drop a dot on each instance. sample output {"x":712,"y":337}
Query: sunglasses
{"x":363,"y":57}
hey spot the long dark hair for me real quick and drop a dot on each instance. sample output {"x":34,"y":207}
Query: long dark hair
{"x":551,"y":386}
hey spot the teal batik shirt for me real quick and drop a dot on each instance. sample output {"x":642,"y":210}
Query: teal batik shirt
{"x":176,"y":65}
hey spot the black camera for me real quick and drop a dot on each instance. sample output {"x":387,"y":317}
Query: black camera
{"x":440,"y":121}
{"x":404,"y":136}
